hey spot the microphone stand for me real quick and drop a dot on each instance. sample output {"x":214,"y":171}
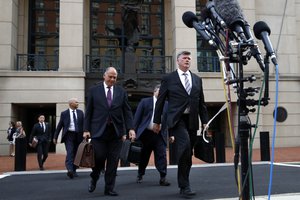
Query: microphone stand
{"x":244,"y":124}
{"x":243,"y":128}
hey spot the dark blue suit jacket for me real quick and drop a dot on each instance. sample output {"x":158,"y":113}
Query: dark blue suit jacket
{"x":171,"y":89}
{"x":98,"y":112}
{"x":42,"y":136}
{"x":143,"y":117}
{"x":64,"y":123}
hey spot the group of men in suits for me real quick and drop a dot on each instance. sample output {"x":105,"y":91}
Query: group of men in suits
{"x":173,"y":110}
{"x":175,"y":106}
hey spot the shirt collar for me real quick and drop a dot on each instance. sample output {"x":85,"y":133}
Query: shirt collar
{"x":106,"y":86}
{"x":180,"y":72}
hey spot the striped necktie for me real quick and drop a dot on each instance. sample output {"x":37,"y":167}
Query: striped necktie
{"x":187,"y":83}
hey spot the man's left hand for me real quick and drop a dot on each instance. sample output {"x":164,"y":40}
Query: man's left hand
{"x":132,"y":134}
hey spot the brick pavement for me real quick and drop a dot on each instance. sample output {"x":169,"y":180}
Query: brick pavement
{"x":56,"y":161}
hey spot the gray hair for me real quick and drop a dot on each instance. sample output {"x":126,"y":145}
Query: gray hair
{"x":72,"y":100}
{"x":183,"y":53}
{"x":110,"y":68}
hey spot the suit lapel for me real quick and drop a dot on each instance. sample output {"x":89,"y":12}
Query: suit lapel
{"x":193,"y":82}
{"x":102,"y":95}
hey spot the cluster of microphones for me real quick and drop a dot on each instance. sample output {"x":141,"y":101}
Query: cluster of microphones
{"x":218,"y":17}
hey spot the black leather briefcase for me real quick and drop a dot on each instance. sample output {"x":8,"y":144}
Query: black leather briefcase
{"x":203,"y":150}
{"x":131,"y":151}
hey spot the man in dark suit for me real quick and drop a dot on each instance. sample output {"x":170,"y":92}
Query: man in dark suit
{"x":184,"y":93}
{"x":108,"y":117}
{"x":42,"y":132}
{"x":156,"y":142}
{"x":71,"y":121}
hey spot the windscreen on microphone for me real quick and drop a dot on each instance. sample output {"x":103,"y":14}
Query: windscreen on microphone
{"x":230,"y":11}
{"x":232,"y":14}
{"x":188,"y":18}
{"x":260,"y":27}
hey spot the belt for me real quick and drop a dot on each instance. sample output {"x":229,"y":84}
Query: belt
{"x":72,"y":131}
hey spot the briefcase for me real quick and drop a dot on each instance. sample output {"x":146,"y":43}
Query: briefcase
{"x":131,"y":151}
{"x":204,"y":150}
{"x":34,"y":142}
{"x":85,"y":155}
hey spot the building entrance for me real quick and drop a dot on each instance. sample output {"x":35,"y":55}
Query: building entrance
{"x":28,"y":114}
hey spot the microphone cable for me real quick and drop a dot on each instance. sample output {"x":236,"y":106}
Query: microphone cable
{"x":274,"y":133}
{"x":224,"y":71}
{"x":251,"y":185}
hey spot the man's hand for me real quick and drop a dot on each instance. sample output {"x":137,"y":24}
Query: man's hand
{"x":172,"y":139}
{"x":132,"y":135}
{"x":156,"y":128}
{"x":205,"y":127}
{"x":86,"y":135}
{"x":54,"y":141}
{"x":124,"y":138}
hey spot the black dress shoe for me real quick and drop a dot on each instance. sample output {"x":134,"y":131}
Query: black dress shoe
{"x":70,"y":174}
{"x":92,"y":185}
{"x":187,"y":193}
{"x":139,"y":179}
{"x":75,"y":174}
{"x":110,"y":193}
{"x":164,"y":182}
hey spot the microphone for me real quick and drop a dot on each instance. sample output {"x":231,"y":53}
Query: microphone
{"x":262,"y":32}
{"x":254,"y":50}
{"x":191,"y":20}
{"x":210,"y":6}
{"x":232,"y":14}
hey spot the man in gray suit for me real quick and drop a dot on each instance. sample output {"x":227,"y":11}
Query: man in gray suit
{"x":108,"y":117}
{"x":184,"y":93}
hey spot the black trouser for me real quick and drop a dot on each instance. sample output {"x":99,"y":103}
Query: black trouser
{"x":184,"y":141}
{"x":153,"y":142}
{"x":107,"y":149}
{"x":42,"y":152}
{"x":71,"y":144}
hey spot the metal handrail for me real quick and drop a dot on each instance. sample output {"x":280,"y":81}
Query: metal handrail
{"x":37,"y":62}
{"x":139,"y":64}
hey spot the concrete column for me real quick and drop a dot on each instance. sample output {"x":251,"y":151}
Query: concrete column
{"x":8,"y":36}
{"x":184,"y":38}
{"x":71,"y":35}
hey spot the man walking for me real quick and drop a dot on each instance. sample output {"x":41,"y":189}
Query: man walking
{"x":184,"y":93}
{"x":107,"y":118}
{"x":156,"y":142}
{"x":71,"y":121}
{"x":42,"y":132}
